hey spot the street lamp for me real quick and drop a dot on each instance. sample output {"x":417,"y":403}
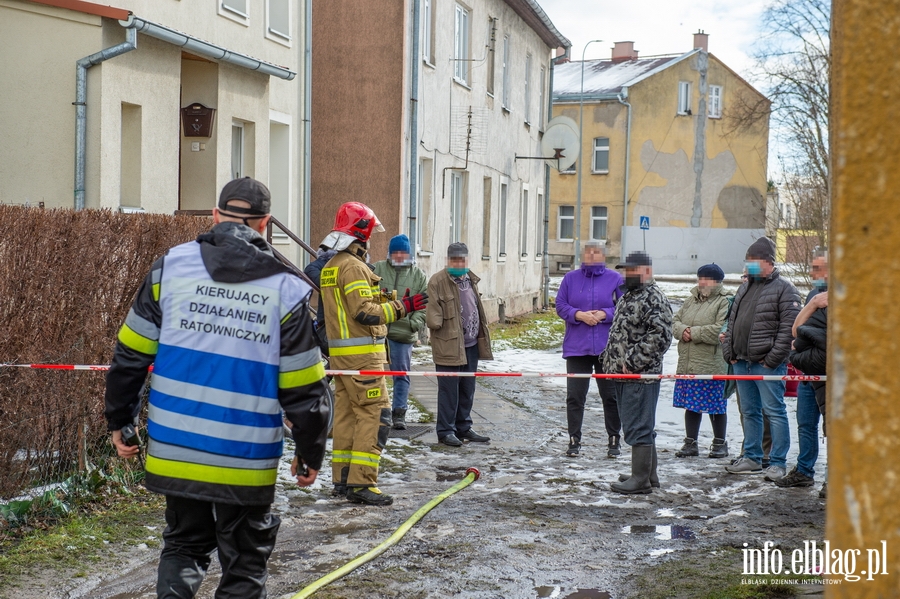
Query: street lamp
{"x":578,"y":168}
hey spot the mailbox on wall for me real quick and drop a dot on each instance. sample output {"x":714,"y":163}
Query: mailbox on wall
{"x":197,"y":120}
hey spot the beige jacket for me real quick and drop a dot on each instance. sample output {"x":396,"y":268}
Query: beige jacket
{"x":442,"y":316}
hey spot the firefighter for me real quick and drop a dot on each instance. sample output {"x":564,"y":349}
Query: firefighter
{"x":356,"y":319}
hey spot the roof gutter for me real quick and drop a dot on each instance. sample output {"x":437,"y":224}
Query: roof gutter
{"x":205,"y":49}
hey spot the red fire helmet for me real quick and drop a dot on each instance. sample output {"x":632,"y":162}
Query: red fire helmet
{"x":358,"y":220}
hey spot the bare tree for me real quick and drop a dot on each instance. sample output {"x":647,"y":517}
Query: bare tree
{"x":793,"y":62}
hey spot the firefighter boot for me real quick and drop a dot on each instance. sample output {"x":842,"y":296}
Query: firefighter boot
{"x":399,"y":419}
{"x":368,"y":496}
{"x":340,"y":487}
{"x":641,"y":466}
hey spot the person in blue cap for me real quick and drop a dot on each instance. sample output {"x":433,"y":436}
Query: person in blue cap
{"x":399,"y":273}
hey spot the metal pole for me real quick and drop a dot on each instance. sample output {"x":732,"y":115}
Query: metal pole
{"x":577,"y":258}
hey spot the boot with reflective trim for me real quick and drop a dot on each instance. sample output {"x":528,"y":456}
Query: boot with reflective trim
{"x":340,"y":487}
{"x":641,"y":465}
{"x":399,"y":419}
{"x":369,"y":496}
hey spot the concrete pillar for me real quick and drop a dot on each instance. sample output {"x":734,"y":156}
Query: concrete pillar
{"x":864,"y":345}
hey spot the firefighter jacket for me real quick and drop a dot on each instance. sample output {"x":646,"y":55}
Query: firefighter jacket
{"x":355,"y":317}
{"x":228,"y":330}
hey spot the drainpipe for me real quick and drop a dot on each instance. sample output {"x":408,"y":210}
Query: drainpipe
{"x":414,"y":130}
{"x":621,"y":97}
{"x":546,"y":261}
{"x":81,"y":67}
{"x":307,"y":128}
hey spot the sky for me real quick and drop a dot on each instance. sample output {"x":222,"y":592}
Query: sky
{"x":660,"y":26}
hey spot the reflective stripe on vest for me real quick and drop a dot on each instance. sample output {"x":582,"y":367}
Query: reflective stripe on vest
{"x":214,"y":415}
{"x":355,"y":346}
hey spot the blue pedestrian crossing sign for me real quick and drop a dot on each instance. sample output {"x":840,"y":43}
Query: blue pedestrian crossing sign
{"x":645,"y":222}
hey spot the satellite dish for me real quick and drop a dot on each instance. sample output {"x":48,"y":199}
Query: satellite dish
{"x":561,"y":143}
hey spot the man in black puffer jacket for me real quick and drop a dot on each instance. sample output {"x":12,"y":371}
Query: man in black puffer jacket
{"x":757,"y":342}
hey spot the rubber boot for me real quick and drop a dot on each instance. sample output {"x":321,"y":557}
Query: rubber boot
{"x":641,"y":466}
{"x":340,"y":488}
{"x":398,"y":417}
{"x":689,"y":449}
{"x":614,"y":448}
{"x":654,"y":478}
{"x":718,"y":449}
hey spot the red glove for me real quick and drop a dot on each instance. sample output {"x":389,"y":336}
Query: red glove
{"x":415,"y":302}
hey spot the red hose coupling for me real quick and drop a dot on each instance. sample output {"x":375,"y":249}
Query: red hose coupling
{"x":474,"y":471}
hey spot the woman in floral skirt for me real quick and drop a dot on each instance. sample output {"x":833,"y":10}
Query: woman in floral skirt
{"x":697,"y":327}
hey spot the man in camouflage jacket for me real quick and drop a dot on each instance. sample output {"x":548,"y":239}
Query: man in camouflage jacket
{"x":640,"y":335}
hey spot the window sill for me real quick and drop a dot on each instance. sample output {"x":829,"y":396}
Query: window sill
{"x":278,"y":37}
{"x":568,"y":172}
{"x":489,"y":94}
{"x":485,"y":258}
{"x":565,"y":241}
{"x":424,"y":254}
{"x":523,"y":258}
{"x":428,"y":64}
{"x":505,"y":110}
{"x":716,"y":117}
{"x":501,"y":258}
{"x":527,"y":125}
{"x":234,"y":15}
{"x":461,"y":83}
{"x":599,"y":172}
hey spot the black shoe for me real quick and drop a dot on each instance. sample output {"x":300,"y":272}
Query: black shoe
{"x":398,"y":418}
{"x":368,"y":496}
{"x":450,"y":440}
{"x":795,"y":478}
{"x":614,"y":448}
{"x":574,"y":448}
{"x":472,"y":436}
{"x":689,"y":449}
{"x":339,"y":491}
{"x":718,"y":449}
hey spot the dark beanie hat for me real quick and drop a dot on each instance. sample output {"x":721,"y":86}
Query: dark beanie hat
{"x":762,"y":249}
{"x":399,"y":243}
{"x":711,"y":271}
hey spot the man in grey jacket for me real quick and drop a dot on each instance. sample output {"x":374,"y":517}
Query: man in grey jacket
{"x":639,"y":336}
{"x":757,"y":342}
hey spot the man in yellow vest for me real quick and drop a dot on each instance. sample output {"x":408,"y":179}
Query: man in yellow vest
{"x":356,"y":322}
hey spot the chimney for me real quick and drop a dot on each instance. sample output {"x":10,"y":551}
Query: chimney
{"x":701,"y":40}
{"x":624,"y":51}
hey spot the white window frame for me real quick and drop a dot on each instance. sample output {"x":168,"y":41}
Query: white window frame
{"x":560,"y":217}
{"x":504,"y":101}
{"x":427,"y":32}
{"x":503,"y":208}
{"x":242,"y":148}
{"x":528,"y":89}
{"x":236,"y":15}
{"x":684,"y":97}
{"x":541,"y":225}
{"x":595,"y":219}
{"x":599,"y":147}
{"x":543,"y":83}
{"x":283,"y":37}
{"x":523,"y":224}
{"x":457,"y":189}
{"x":715,"y":102}
{"x":462,"y":33}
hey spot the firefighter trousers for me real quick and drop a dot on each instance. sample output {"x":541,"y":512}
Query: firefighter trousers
{"x":362,"y":421}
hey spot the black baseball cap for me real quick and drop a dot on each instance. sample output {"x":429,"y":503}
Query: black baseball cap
{"x":636,"y":259}
{"x":249,"y":190}
{"x":457,"y":249}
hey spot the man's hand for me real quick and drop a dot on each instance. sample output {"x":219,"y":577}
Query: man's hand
{"x":734,"y":361}
{"x":415,"y":302}
{"x":305,"y":476}
{"x":820,"y":300}
{"x":124,"y":451}
{"x":588,"y":318}
{"x":686,"y":335}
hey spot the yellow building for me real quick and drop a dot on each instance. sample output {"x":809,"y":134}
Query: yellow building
{"x":682,"y":140}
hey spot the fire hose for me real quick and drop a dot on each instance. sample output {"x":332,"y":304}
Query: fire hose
{"x":472,"y":474}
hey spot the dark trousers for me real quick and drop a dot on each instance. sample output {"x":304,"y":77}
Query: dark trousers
{"x":576,"y":396}
{"x":456,"y":396}
{"x":244,"y":536}
{"x":637,"y":409}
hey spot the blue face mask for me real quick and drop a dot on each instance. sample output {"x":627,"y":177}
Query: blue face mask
{"x":457,"y":272}
{"x":754,"y":269}
{"x":820,"y":284}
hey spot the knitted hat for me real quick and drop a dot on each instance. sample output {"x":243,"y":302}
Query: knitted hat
{"x":711,"y":271}
{"x":399,"y":243}
{"x":762,"y":249}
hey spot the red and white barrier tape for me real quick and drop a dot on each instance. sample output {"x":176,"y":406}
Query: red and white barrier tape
{"x":651,"y":377}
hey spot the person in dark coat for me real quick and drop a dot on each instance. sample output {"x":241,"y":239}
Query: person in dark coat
{"x":808,"y":356}
{"x":757,"y":342}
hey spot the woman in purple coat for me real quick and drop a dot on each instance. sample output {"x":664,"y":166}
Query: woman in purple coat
{"x":586,"y":301}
